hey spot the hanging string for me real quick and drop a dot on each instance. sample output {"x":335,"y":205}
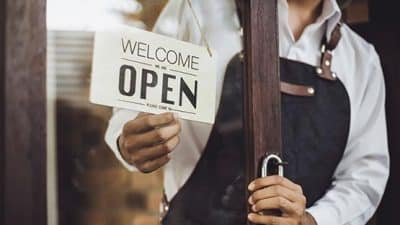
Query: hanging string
{"x":203,"y":37}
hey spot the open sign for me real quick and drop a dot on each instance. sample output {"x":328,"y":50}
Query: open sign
{"x":143,"y":71}
{"x":150,"y":79}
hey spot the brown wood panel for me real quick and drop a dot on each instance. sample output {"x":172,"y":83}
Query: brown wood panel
{"x":2,"y":62}
{"x":262,"y":97}
{"x":24,"y":108}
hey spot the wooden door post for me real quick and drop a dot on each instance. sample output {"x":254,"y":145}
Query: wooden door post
{"x":262,"y":97}
{"x":2,"y":69}
{"x":23,"y":112}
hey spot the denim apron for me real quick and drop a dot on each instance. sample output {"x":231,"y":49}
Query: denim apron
{"x":314,"y":133}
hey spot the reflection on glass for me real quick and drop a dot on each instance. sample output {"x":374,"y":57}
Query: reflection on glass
{"x":86,"y":183}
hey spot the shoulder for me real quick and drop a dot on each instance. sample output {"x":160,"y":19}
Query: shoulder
{"x":170,"y":17}
{"x":358,"y":49}
{"x":359,"y":68}
{"x":357,"y":59}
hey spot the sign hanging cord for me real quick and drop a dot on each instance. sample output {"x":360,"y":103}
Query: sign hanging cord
{"x":203,"y":37}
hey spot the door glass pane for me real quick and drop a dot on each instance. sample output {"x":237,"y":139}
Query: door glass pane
{"x":87,"y":185}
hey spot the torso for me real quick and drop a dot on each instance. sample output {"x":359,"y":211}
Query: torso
{"x":351,"y":63}
{"x":315,"y":131}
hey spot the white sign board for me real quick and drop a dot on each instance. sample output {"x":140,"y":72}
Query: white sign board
{"x":147,"y":72}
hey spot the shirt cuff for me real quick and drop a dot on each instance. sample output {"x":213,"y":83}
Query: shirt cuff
{"x":322,"y":216}
{"x":112,"y":139}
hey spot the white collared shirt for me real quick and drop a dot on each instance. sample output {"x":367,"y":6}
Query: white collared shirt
{"x":360,"y":178}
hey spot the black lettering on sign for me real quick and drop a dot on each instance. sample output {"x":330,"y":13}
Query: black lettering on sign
{"x":149,"y":56}
{"x":122,"y":78}
{"x":159,"y":58}
{"x":183,"y":62}
{"x":172,"y":57}
{"x":127,"y":85}
{"x":160,"y":54}
{"x":141,"y":49}
{"x":195,"y":62}
{"x":128,"y":45}
{"x":145,"y":83}
{"x":166,"y":89}
{"x":192,"y":96}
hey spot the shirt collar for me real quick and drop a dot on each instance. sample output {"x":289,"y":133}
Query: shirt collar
{"x":331,"y":14}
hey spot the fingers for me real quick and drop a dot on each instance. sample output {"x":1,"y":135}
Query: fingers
{"x":151,"y":158}
{"x":274,"y":180}
{"x":145,"y":122}
{"x":152,"y":165}
{"x":276,"y":191}
{"x":147,"y":140}
{"x":270,"y":220}
{"x":143,"y":114}
{"x":151,"y":153}
{"x":153,"y":137}
{"x":281,"y":203}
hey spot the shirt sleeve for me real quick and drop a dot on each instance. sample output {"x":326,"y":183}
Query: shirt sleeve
{"x":114,"y":130}
{"x":169,"y":23}
{"x":360,"y":178}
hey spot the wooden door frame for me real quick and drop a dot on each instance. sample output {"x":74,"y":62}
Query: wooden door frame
{"x":262,"y":95}
{"x":2,"y":69}
{"x":261,"y":84}
{"x":23,"y":112}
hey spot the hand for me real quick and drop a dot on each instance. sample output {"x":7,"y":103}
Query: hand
{"x":276,"y":192}
{"x":147,"y":140}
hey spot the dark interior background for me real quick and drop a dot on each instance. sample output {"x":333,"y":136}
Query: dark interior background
{"x":2,"y":62}
{"x":383,"y":30}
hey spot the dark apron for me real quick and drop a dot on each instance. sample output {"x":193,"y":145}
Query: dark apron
{"x":314,"y":133}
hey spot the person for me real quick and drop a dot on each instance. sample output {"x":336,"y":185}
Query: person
{"x":334,"y":128}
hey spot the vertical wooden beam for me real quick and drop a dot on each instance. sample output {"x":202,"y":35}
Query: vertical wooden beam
{"x":24,"y":129}
{"x":262,"y":82}
{"x":2,"y":70}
